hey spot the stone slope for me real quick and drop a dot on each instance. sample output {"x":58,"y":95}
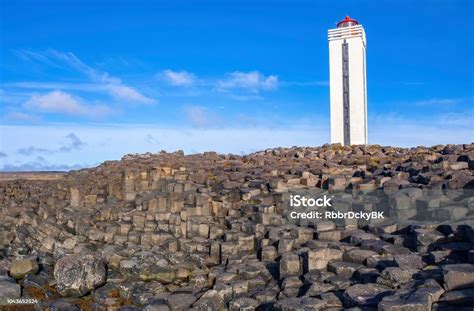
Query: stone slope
{"x":211,"y":232}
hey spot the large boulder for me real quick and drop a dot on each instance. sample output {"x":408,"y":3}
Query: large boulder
{"x":77,"y":275}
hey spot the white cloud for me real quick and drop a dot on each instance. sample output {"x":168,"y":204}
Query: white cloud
{"x":122,"y":92}
{"x":65,"y":103}
{"x":270,"y":83}
{"x":113,"y":85}
{"x":252,"y":81}
{"x":178,"y":78}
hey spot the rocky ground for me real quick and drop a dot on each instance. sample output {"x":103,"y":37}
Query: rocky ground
{"x":211,"y":232}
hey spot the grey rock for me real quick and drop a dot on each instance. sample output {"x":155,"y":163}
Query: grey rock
{"x":19,"y":268}
{"x":395,"y":276}
{"x":318,"y":288}
{"x":459,"y":297}
{"x":243,"y":304}
{"x":62,"y":305}
{"x":318,"y":259}
{"x":365,"y":294}
{"x":426,"y":237}
{"x":417,"y":299}
{"x":331,"y":300}
{"x":357,"y":255}
{"x":290,"y":287}
{"x":211,"y":232}
{"x":180,"y":301}
{"x":413,"y":261}
{"x":340,"y":283}
{"x":77,"y":275}
{"x":458,"y":276}
{"x":289,"y":265}
{"x":9,"y":290}
{"x":343,"y":269}
{"x":210,"y":300}
{"x":366,"y":275}
{"x":299,"y":304}
{"x":157,"y":307}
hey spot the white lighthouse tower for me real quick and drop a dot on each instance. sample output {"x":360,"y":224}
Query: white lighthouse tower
{"x":348,"y":89}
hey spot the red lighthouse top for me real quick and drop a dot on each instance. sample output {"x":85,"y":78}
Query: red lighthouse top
{"x":347,"y":22}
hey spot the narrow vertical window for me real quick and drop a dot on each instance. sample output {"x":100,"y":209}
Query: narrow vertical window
{"x":345,"y":93}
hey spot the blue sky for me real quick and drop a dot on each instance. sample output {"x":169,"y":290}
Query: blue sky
{"x":86,"y":81}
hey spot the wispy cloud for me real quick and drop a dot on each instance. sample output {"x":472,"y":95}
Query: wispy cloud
{"x":9,"y":97}
{"x":31,"y":150}
{"x":65,"y":103}
{"x":3,"y":155}
{"x":78,"y":86}
{"x":252,"y":81}
{"x":178,"y":78}
{"x":399,"y":130}
{"x":113,"y":85}
{"x":465,"y":119}
{"x":20,"y":116}
{"x":439,"y":101}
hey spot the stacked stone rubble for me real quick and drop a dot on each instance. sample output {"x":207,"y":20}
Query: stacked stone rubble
{"x":211,"y":232}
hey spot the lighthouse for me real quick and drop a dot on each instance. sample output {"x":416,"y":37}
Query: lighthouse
{"x":347,"y":80}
